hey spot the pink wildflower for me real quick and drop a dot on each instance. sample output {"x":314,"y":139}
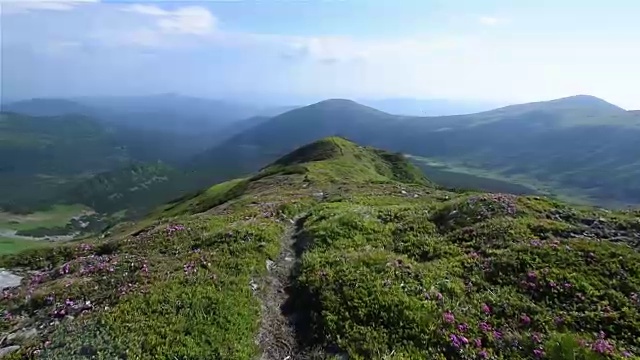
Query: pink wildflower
{"x":484,"y":327}
{"x":463,"y":339}
{"x":448,"y":317}
{"x":538,"y":353}
{"x":486,"y":309}
{"x":536,"y":337}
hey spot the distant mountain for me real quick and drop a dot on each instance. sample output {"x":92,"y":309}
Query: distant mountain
{"x":39,"y":155}
{"x":275,"y":111}
{"x":186,"y":106}
{"x":579,"y":145}
{"x":279,"y":135}
{"x":429,"y":107}
{"x":204,"y":121}
{"x":60,"y":144}
{"x":47,"y":107}
{"x":44,"y":160}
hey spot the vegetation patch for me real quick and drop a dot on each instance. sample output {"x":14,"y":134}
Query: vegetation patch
{"x":58,"y":215}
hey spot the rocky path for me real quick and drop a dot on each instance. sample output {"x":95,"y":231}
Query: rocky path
{"x":277,"y":336}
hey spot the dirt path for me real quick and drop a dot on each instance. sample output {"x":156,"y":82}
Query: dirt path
{"x":277,"y":336}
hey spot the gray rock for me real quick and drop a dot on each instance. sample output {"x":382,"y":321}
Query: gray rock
{"x":8,"y":279}
{"x":269,"y":264}
{"x":21,"y":335}
{"x":253,"y":285}
{"x":8,"y":350}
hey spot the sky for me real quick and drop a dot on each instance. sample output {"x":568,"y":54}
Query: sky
{"x":488,"y":50}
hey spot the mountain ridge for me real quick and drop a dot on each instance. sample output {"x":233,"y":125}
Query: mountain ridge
{"x":325,"y":253}
{"x":578,"y":140}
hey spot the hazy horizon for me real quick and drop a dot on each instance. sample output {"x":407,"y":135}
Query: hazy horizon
{"x":492,"y":51}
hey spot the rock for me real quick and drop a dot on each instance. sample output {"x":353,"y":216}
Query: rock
{"x":21,"y":335}
{"x":8,"y":350}
{"x":8,"y":279}
{"x":253,"y":285}
{"x":269,"y":264}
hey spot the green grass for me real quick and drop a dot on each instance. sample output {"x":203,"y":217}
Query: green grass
{"x":202,"y":200}
{"x":391,"y":270}
{"x":13,"y":246}
{"x":58,"y":215}
{"x":379,"y":280}
{"x":464,"y":176}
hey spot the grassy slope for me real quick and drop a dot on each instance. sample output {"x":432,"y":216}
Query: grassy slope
{"x":450,"y":176}
{"x":58,"y":215}
{"x":13,"y":246}
{"x":392,"y":270}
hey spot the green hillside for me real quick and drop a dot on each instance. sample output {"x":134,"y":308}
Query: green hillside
{"x":78,"y":159}
{"x":39,"y":156}
{"x":581,"y":146}
{"x":337,"y":251}
{"x":51,"y":144}
{"x":133,"y":187}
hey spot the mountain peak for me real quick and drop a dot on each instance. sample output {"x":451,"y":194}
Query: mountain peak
{"x":577,"y":104}
{"x":337,"y":159}
{"x":341,"y":105}
{"x":324,"y":149}
{"x":585,"y":101}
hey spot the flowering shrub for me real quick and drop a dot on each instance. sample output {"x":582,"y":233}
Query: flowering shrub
{"x":505,"y":294}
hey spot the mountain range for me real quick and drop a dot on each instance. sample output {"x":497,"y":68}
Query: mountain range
{"x":579,"y":145}
{"x":581,"y":148}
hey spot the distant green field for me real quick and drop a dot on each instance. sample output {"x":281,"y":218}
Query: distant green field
{"x":59,"y":215}
{"x":463,"y":176}
{"x":12,"y":246}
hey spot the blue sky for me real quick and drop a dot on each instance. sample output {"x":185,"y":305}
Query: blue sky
{"x":495,"y":50}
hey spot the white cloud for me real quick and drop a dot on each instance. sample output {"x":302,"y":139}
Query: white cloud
{"x":332,"y":49}
{"x":490,"y":20}
{"x":195,"y":20}
{"x":146,"y":10}
{"x":25,"y":6}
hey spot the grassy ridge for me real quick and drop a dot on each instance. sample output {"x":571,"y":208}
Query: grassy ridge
{"x":393,"y":268}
